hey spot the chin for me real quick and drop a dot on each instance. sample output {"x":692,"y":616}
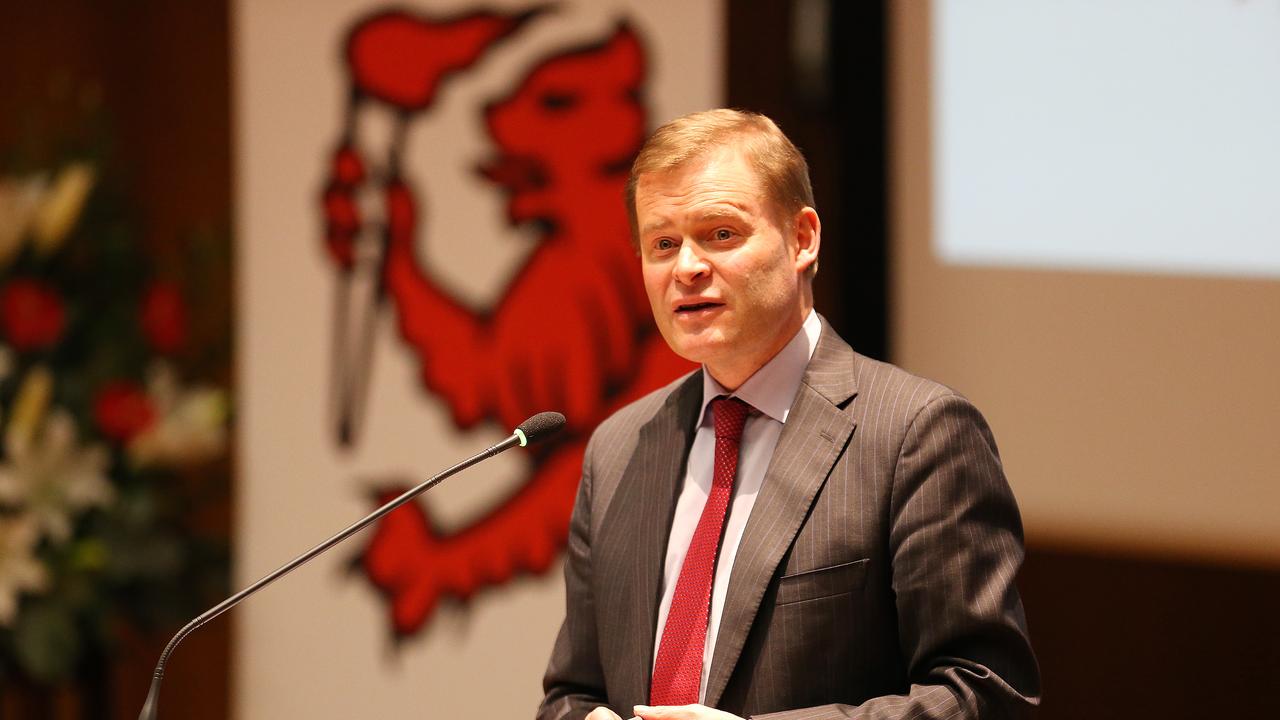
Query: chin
{"x":696,"y":350}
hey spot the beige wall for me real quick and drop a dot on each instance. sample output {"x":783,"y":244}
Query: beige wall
{"x":1135,"y":412}
{"x":318,"y":644}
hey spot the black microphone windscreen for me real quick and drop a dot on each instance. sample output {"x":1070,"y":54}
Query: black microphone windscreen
{"x":541,"y":425}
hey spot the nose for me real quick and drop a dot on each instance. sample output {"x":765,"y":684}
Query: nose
{"x":690,"y":265}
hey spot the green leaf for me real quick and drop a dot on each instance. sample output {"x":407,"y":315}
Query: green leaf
{"x":90,"y":555}
{"x":46,"y":643}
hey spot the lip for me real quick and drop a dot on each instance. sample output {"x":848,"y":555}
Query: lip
{"x":696,"y":307}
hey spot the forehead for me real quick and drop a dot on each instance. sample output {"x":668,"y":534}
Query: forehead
{"x":723,"y":180}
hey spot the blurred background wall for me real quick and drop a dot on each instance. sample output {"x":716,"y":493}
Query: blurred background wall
{"x":1081,"y":244}
{"x":1135,"y":400}
{"x":133,"y":99}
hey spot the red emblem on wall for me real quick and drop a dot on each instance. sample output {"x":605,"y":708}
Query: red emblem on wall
{"x":571,"y":332}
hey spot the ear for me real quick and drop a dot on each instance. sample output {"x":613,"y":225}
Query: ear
{"x":807,"y":236}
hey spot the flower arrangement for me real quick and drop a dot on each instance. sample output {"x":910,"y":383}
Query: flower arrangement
{"x":109,"y":420}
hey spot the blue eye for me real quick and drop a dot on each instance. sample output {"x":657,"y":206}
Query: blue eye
{"x":724,"y":234}
{"x":664,"y":244}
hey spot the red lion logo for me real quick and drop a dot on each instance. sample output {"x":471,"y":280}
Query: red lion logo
{"x":573,"y":330}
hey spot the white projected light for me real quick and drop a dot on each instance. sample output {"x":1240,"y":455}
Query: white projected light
{"x":1133,"y":136}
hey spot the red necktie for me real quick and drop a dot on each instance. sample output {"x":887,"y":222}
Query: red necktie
{"x":677,"y":673}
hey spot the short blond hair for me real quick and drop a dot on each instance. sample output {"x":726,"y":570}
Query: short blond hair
{"x":780,"y":166}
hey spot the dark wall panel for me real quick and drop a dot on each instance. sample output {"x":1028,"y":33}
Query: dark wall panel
{"x":1122,"y":637}
{"x":836,"y":115}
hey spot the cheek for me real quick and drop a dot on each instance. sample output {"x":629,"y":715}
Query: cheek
{"x":764,"y":285}
{"x":769,"y":300}
{"x":655,"y":280}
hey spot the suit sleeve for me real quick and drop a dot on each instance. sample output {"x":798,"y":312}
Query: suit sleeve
{"x":573,"y":685}
{"x":956,"y":546}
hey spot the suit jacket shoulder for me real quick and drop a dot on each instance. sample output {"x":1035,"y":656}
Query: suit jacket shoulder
{"x":623,"y":426}
{"x":614,"y":442}
{"x":885,"y":401}
{"x":896,"y":394}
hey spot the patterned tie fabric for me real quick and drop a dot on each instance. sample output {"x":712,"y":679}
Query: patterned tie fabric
{"x":677,"y":673}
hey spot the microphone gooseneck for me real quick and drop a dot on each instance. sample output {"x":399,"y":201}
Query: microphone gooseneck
{"x":532,"y":430}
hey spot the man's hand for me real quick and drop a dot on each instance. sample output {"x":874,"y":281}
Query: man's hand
{"x":680,"y":712}
{"x":602,"y":713}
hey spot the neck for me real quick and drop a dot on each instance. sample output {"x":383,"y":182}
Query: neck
{"x":732,"y":374}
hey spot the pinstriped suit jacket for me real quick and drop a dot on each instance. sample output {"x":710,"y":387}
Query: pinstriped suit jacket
{"x":875,"y":577}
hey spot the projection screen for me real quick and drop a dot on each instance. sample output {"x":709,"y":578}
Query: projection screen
{"x":1086,"y":242}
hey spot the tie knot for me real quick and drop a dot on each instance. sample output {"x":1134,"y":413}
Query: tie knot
{"x":730,"y":414}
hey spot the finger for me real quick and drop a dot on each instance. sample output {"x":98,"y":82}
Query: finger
{"x":661,"y":712}
{"x":681,"y":712}
{"x":602,"y":713}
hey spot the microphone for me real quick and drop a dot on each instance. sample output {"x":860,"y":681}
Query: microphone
{"x":532,"y":430}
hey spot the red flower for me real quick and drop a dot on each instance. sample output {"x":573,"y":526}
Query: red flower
{"x":123,"y":410}
{"x":164,"y":317}
{"x":32,"y":314}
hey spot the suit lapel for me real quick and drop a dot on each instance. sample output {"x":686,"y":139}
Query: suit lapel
{"x":813,"y":437}
{"x":637,"y":525}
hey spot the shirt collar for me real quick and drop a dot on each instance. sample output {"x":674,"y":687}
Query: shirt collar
{"x":772,"y":388}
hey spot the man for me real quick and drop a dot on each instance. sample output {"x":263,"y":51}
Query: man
{"x":795,"y":531}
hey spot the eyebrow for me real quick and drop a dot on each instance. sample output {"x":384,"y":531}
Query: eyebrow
{"x":655,"y":227}
{"x":730,"y":212}
{"x":722,"y":212}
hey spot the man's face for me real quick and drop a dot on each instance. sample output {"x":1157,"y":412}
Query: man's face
{"x":724,"y":274}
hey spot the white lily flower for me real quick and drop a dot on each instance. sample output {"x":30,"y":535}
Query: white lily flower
{"x":190,"y":426}
{"x":55,"y":480}
{"x":20,"y":570}
{"x":26,"y":415}
{"x":62,"y":205}
{"x":20,"y":199}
